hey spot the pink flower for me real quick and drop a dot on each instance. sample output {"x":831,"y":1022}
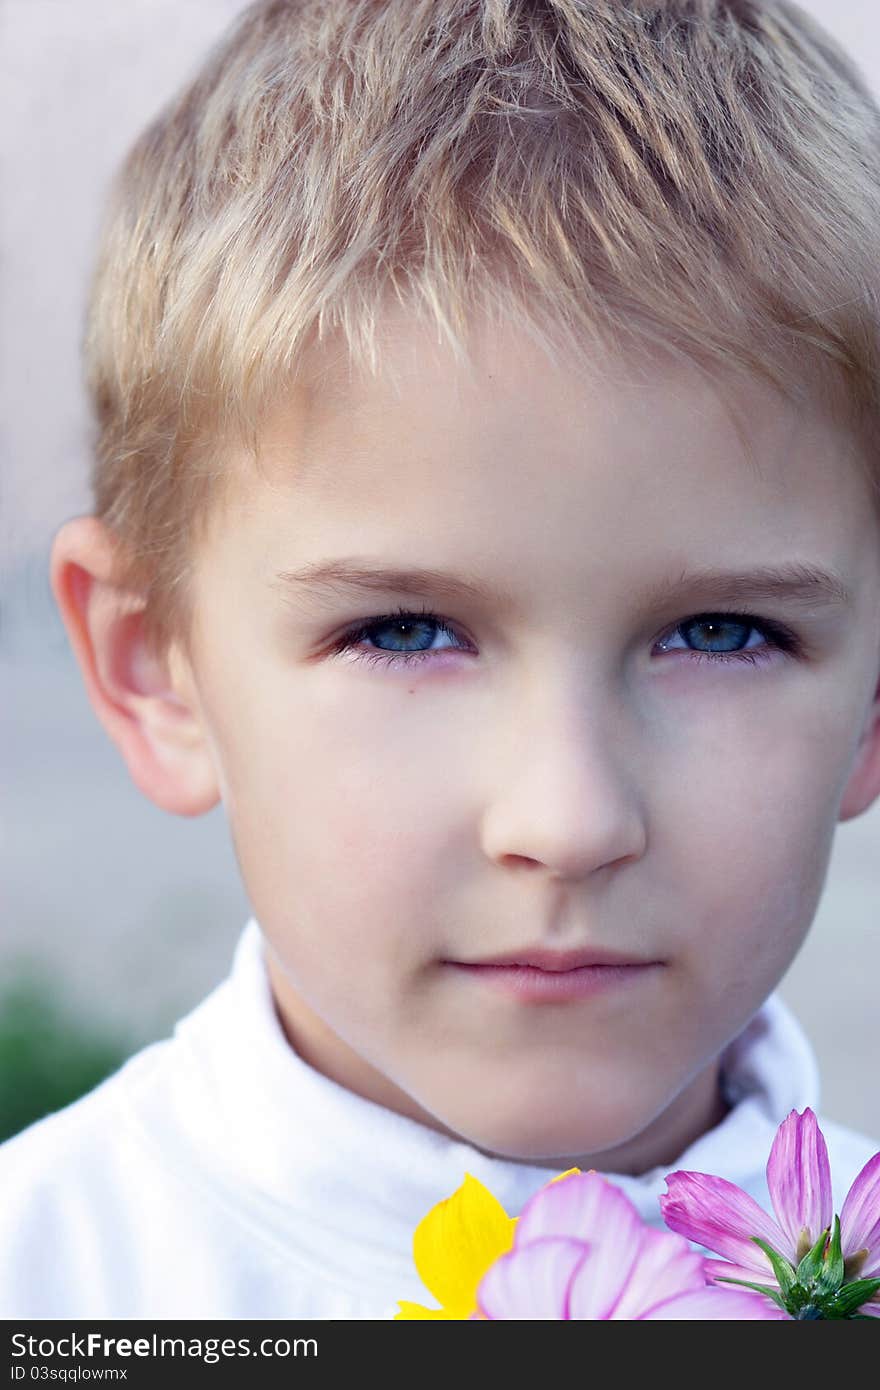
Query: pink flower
{"x":815,"y":1272}
{"x":581,"y":1250}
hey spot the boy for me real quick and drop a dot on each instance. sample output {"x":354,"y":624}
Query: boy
{"x":484,"y":513}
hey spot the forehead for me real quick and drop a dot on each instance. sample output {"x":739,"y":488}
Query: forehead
{"x":631,"y":456}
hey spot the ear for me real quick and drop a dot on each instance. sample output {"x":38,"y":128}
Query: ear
{"x":154,"y":719}
{"x":863,"y":785}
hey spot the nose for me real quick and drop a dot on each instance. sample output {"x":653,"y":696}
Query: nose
{"x":566,"y":796}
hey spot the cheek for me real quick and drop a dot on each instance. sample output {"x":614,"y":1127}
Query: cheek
{"x":756,"y":855}
{"x":336,"y":856}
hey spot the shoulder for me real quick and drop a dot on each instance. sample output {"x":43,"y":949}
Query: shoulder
{"x":67,"y":1137}
{"x":123,"y":1205}
{"x":70,"y":1184}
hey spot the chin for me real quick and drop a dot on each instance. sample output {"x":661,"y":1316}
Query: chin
{"x":532,"y":1135}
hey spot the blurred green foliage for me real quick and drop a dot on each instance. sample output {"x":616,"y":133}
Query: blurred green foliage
{"x":48,"y":1056}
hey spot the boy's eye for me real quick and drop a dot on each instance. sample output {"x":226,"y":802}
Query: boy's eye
{"x":411,"y":630}
{"x":706,"y":636}
{"x":727,"y":637}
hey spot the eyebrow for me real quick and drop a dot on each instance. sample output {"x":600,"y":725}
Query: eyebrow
{"x":792,"y":582}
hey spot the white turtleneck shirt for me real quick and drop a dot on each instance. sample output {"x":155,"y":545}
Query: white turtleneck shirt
{"x":217,"y":1175}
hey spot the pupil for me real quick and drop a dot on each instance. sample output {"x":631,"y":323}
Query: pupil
{"x":404,"y":627}
{"x":710,"y":628}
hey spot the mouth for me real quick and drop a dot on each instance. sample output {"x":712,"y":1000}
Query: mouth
{"x":540,"y":975}
{"x":542,"y":958}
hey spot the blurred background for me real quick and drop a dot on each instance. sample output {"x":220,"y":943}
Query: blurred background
{"x":117,"y":917}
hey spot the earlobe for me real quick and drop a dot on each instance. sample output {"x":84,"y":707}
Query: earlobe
{"x":153,"y":718}
{"x":863,"y":785}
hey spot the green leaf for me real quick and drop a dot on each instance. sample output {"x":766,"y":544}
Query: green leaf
{"x":759,"y":1288}
{"x":852,"y":1296}
{"x":782,"y":1268}
{"x":811,"y":1264}
{"x":830,"y":1276}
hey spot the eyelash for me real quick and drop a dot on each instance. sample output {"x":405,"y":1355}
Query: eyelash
{"x":779,"y":637}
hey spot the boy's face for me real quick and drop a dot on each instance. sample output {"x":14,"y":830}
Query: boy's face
{"x":562,"y":770}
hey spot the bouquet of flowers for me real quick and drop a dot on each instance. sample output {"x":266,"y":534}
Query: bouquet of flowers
{"x":580,"y":1249}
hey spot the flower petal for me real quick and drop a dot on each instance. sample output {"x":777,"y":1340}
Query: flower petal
{"x":719,"y":1215}
{"x":410,"y":1312}
{"x":457,"y":1241}
{"x":860,"y":1218}
{"x":600,"y":1281}
{"x":588,"y":1207}
{"x":532,"y":1281}
{"x":799,"y":1180}
{"x":665,"y":1266}
{"x":584,"y":1205}
{"x":568,"y":1173}
{"x":711,"y":1305}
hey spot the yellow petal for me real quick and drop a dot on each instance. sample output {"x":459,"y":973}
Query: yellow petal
{"x":410,"y":1311}
{"x":456,"y":1243}
{"x":567,"y":1174}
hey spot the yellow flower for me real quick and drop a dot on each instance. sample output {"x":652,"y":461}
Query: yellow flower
{"x":455,"y":1244}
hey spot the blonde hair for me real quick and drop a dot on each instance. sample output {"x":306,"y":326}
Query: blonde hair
{"x":700,"y":176}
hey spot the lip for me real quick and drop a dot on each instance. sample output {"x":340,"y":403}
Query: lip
{"x":543,"y":976}
{"x":542,"y":958}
